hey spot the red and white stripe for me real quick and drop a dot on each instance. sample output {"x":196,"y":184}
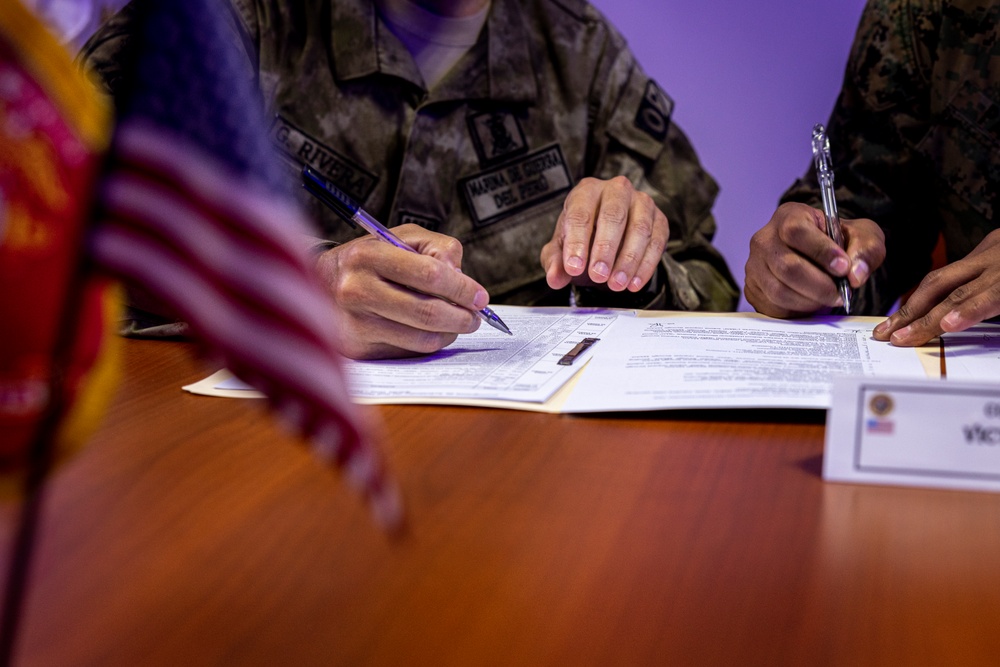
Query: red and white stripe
{"x":227,"y":256}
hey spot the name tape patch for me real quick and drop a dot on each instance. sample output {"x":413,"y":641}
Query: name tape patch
{"x":497,"y":193}
{"x":345,"y":174}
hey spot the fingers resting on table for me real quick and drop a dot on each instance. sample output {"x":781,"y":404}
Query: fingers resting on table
{"x":949,"y":299}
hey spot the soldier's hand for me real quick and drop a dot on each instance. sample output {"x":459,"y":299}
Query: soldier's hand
{"x":792,"y":261}
{"x":952,"y":298}
{"x":387,"y":298}
{"x":608,"y":233}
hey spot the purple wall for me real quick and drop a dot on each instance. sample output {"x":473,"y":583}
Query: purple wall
{"x":749,"y":80}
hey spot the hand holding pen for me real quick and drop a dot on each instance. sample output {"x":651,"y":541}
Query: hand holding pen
{"x":824,"y":174}
{"x":804,"y":260}
{"x":397,"y":304}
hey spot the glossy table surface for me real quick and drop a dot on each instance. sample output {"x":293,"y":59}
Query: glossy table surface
{"x":192,"y":531}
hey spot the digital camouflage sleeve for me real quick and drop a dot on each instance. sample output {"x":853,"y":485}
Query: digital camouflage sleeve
{"x":915,"y":135}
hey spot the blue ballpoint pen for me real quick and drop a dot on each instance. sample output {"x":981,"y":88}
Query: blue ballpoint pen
{"x":352,"y":212}
{"x":824,"y":174}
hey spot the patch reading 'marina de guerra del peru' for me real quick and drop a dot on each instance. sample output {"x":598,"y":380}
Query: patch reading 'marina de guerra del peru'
{"x":346,"y":175}
{"x":496,"y":193}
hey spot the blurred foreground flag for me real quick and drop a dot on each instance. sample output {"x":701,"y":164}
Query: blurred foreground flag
{"x":56,"y":319}
{"x":195,"y":209}
{"x":188,"y":206}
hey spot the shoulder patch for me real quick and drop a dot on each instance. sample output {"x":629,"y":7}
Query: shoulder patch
{"x":305,"y":149}
{"x":653,"y":116}
{"x":641,"y":120}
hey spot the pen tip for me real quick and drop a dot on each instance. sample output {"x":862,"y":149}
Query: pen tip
{"x":494,"y":321}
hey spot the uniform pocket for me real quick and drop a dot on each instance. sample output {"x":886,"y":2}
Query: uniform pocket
{"x":504,"y":257}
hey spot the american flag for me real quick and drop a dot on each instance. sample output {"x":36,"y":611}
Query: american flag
{"x":879,"y":426}
{"x":196,"y":210}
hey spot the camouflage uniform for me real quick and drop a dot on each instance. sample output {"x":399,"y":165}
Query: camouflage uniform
{"x":915,"y":135}
{"x":548,"y":95}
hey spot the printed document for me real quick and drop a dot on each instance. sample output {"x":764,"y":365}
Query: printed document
{"x":486,"y":367}
{"x":733,"y":362}
{"x":973,"y":355}
{"x":488,"y":364}
{"x":645,"y":361}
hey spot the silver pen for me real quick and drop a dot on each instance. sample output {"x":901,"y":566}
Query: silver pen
{"x":352,"y":212}
{"x":824,"y":174}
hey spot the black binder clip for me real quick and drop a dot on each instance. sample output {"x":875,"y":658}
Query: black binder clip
{"x":578,"y":349}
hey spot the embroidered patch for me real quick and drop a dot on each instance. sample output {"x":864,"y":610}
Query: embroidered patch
{"x":422,"y":220}
{"x":653,"y":116}
{"x":345,"y":174}
{"x":497,"y":193}
{"x":497,"y":136}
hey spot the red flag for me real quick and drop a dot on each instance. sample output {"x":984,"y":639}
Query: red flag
{"x":56,"y":319}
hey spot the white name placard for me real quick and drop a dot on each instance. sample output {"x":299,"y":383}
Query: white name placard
{"x":936,"y":433}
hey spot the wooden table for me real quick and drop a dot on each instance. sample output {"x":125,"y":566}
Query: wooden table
{"x":192,"y":532}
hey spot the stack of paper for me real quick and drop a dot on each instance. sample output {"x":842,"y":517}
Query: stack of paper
{"x":652,"y":361}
